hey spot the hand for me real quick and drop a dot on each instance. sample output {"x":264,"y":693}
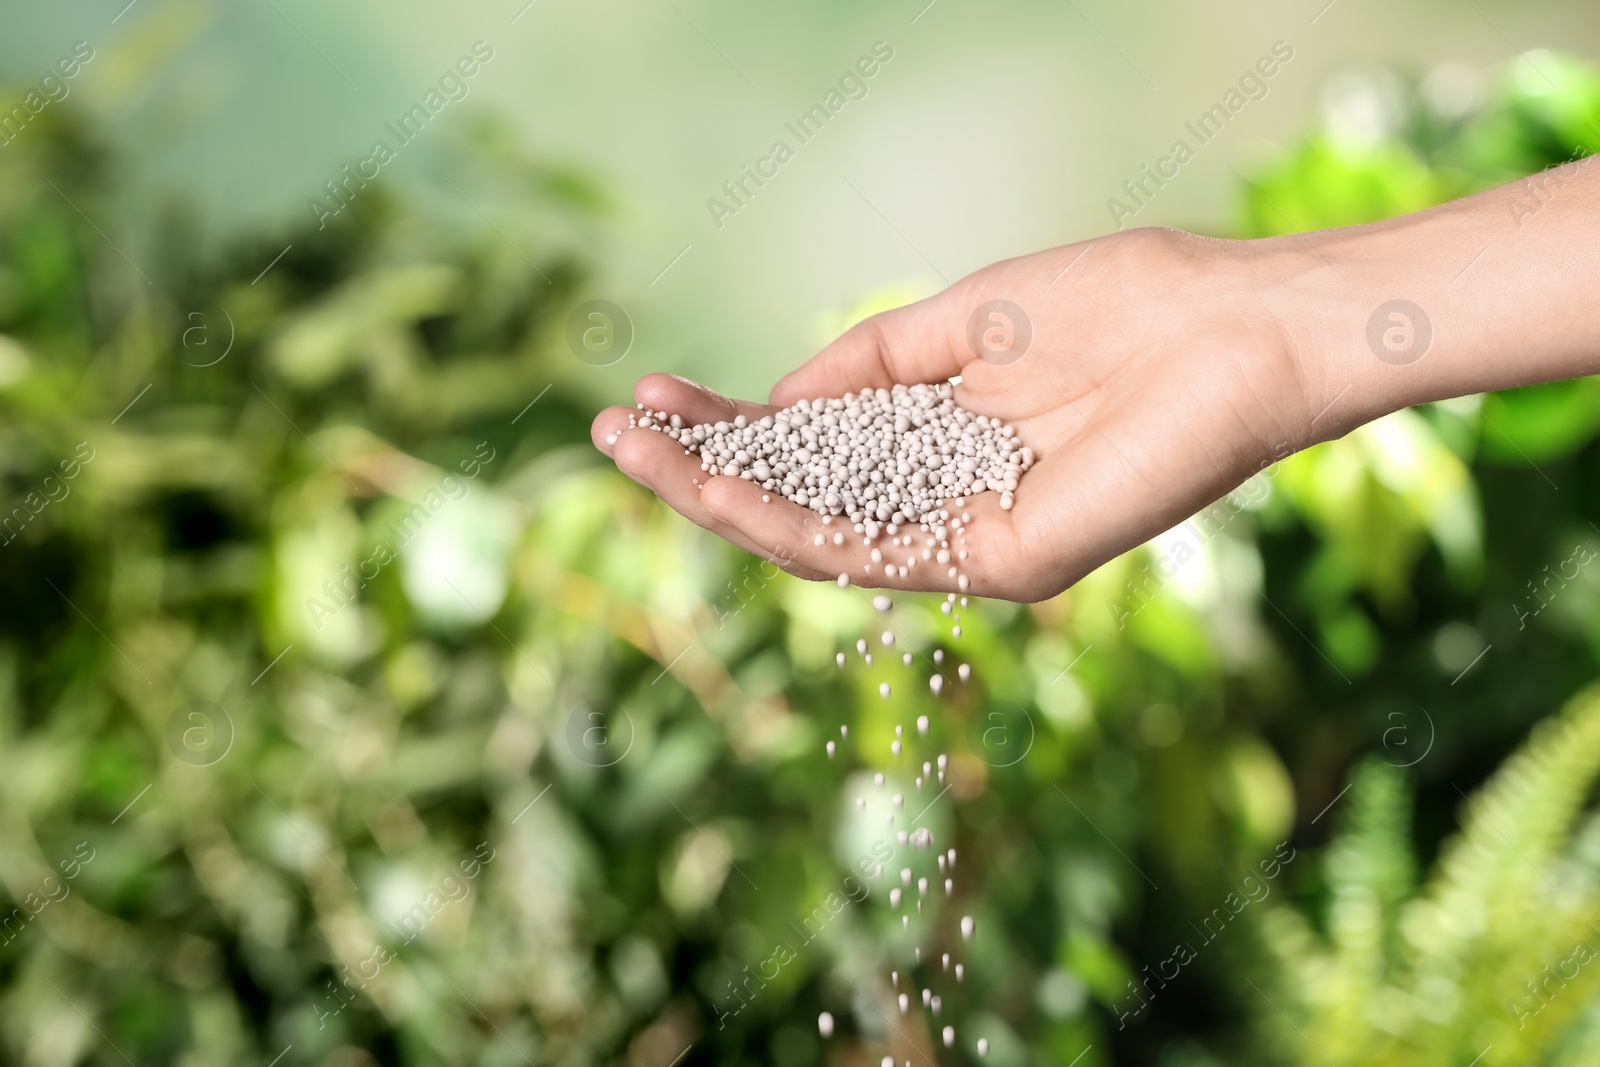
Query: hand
{"x":1156,"y":379}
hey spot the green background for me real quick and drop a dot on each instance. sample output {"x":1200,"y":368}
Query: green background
{"x":410,"y":788}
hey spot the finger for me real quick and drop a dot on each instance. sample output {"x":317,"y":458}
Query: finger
{"x":607,"y":427}
{"x":694,"y":402}
{"x":915,"y":343}
{"x":660,"y":464}
{"x":785,"y":529}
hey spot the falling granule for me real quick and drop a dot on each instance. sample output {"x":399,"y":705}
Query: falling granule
{"x":839,"y":659}
{"x":938,"y":655}
{"x":963,"y":601}
{"x":922,"y":724}
{"x":945,"y":608}
{"x":946,"y":960}
{"x":888,"y":638}
{"x":905,"y":1003}
{"x":844,"y":731}
{"x":935,"y":1004}
{"x":949,"y":887}
{"x":927,"y":997}
{"x":825,"y":1024}
{"x":966,"y":928}
{"x":861,"y":803}
{"x":905,"y":922}
{"x":888,"y":1061}
{"x":868,"y":659}
{"x":894,"y":747}
{"x":883,"y":689}
{"x":877,"y":779}
{"x":895,"y":897}
{"x":944,"y":761}
{"x":983,"y":1047}
{"x":949,"y":1037}
{"x":897,"y":800}
{"x":861,"y":647}
{"x":905,"y":876}
{"x":906,"y":659}
{"x":960,"y":972}
{"x":844,"y":580}
{"x":899,"y":730}
{"x":922,"y":887}
{"x":882,"y":603}
{"x":964,"y":672}
{"x":936,"y":683}
{"x":955,"y":631}
{"x":830,"y":749}
{"x":894,"y":978}
{"x":950,"y":854}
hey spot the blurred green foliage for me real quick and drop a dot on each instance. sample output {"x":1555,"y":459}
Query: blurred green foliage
{"x":535,"y":773}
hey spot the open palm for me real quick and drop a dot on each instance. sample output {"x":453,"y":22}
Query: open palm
{"x":1140,"y":368}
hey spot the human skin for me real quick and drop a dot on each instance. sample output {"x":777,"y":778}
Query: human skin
{"x":1164,"y":369}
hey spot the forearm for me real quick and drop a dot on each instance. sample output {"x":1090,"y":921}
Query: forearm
{"x":1504,"y":289}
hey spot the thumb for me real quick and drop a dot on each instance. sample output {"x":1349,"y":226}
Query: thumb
{"x":915,"y":343}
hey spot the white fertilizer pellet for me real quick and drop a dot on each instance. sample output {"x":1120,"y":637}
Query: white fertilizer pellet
{"x":882,"y":459}
{"x":825,"y":1024}
{"x":949,"y":1037}
{"x":983,"y":1047}
{"x":966,"y":928}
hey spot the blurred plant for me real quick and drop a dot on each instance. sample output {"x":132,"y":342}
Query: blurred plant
{"x":1492,"y":961}
{"x":402,"y":730}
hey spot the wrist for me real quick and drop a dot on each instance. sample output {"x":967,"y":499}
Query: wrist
{"x":1467,"y":297}
{"x":1361,"y":309}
